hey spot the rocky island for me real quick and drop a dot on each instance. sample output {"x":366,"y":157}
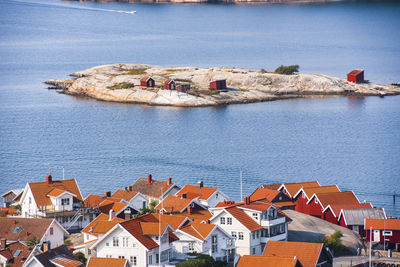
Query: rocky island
{"x":122,"y":83}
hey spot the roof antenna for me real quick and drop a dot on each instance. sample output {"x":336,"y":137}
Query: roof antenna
{"x":241,"y":185}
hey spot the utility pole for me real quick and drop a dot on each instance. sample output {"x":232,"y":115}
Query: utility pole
{"x":370,"y":246}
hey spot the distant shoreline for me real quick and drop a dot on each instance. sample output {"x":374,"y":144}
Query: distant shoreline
{"x":210,"y":1}
{"x":122,"y":83}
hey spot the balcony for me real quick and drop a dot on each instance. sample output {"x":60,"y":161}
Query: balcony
{"x":278,"y":237}
{"x":272,"y":222}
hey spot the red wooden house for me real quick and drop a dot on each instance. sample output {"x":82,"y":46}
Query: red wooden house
{"x":354,"y":219}
{"x":290,"y":189}
{"x":170,"y":85}
{"x":331,"y":212}
{"x":356,"y":76}
{"x":183,"y":88}
{"x":304,"y":194}
{"x":147,"y":82}
{"x":380,"y":229}
{"x":274,"y":196}
{"x":218,"y":84}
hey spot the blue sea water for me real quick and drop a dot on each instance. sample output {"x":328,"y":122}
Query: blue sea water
{"x":351,"y":142}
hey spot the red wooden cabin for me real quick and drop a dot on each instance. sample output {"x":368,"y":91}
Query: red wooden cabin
{"x":170,"y":85}
{"x":388,"y":229}
{"x":183,"y":88}
{"x":147,"y":82}
{"x":356,"y":76}
{"x":354,"y":219}
{"x":218,"y":84}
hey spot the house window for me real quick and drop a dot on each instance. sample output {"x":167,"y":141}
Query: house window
{"x":157,"y":237}
{"x":125,"y":242}
{"x":51,"y":231}
{"x":144,"y":204}
{"x":30,"y":200}
{"x":133,"y":260}
{"x":240,"y":235}
{"x":282,"y":229}
{"x":157,"y":258}
{"x":255,"y":216}
{"x":229,"y":221}
{"x":107,"y":244}
{"x":222,"y":220}
{"x":387,"y":233}
{"x":90,"y":217}
{"x":115,"y":241}
{"x":214,"y":244}
{"x":254,"y":235}
{"x":233,"y":234}
{"x":108,"y":256}
{"x":65,"y":201}
{"x":191,"y":246}
{"x":121,"y":257}
{"x":258,"y":233}
{"x":254,"y":251}
{"x":150,"y":259}
{"x":229,"y":242}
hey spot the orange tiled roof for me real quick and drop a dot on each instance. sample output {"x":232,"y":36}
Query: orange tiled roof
{"x":198,"y":215}
{"x":272,"y":186}
{"x":381,"y":224}
{"x":174,"y":220}
{"x":123,"y":194}
{"x":337,"y":208}
{"x":33,"y":226}
{"x":10,"y":211}
{"x":285,"y":204}
{"x":309,"y":191}
{"x":66,"y":262}
{"x":101,"y":225}
{"x":264,"y":261}
{"x":204,"y":192}
{"x":198,"y":230}
{"x":258,"y":207}
{"x":307,"y":253}
{"x":337,"y":198}
{"x":93,"y":201}
{"x":40,"y":190}
{"x":261,"y":193}
{"x":293,"y":188}
{"x":9,"y":251}
{"x":154,"y":189}
{"x":153,"y":228}
{"x":109,"y":262}
{"x":134,"y":228}
{"x":243,"y":218}
{"x":60,"y":254}
{"x":108,"y":205}
{"x":172,"y":203}
{"x":56,"y":192}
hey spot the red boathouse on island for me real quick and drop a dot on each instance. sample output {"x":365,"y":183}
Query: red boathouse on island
{"x":218,"y":84}
{"x":356,"y":76}
{"x":170,"y":85}
{"x":183,"y":88}
{"x":147,"y":82}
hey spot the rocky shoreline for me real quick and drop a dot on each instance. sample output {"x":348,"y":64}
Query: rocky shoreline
{"x":121,"y":83}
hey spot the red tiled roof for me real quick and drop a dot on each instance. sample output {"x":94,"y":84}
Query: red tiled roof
{"x":92,"y":201}
{"x":261,"y":193}
{"x":10,"y":211}
{"x":101,"y":225}
{"x":33,"y":226}
{"x":125,"y":195}
{"x":243,"y":218}
{"x":382,"y":224}
{"x":285,"y":204}
{"x":337,"y":208}
{"x":293,"y":188}
{"x":309,"y":191}
{"x":134,"y":228}
{"x":337,"y":198}
{"x":172,"y":204}
{"x":228,"y":204}
{"x":154,"y":189}
{"x":264,"y":261}
{"x":204,"y":192}
{"x":153,"y":228}
{"x":258,"y":207}
{"x":56,"y":192}
{"x":62,"y":255}
{"x":272,"y":186}
{"x":66,"y":262}
{"x":198,"y":215}
{"x":145,"y":78}
{"x":108,"y":205}
{"x":40,"y":190}
{"x":198,"y":230}
{"x":109,"y":262}
{"x":174,"y":220}
{"x":307,"y":253}
{"x":9,"y":251}
{"x":355,"y":72}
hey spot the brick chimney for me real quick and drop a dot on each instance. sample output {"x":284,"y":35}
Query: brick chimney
{"x":189,"y":210}
{"x":27,"y":234}
{"x":130,"y":188}
{"x":111,"y":215}
{"x":169,"y":181}
{"x":49,"y":179}
{"x":15,"y":222}
{"x":127,"y":214}
{"x":200,"y":183}
{"x":107,"y":194}
{"x":45,"y":247}
{"x":3,"y":243}
{"x":247,"y":200}
{"x":149,"y":179}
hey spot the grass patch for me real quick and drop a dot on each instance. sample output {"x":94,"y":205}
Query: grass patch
{"x":287,"y":70}
{"x":135,"y":72}
{"x":123,"y":85}
{"x":183,"y":80}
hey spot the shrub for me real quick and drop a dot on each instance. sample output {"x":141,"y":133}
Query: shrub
{"x":134,"y":72}
{"x":287,"y":69}
{"x":123,"y":85}
{"x":81,"y":257}
{"x":200,"y":261}
{"x":67,"y":243}
{"x":33,"y":242}
{"x":334,"y":243}
{"x":17,"y":207}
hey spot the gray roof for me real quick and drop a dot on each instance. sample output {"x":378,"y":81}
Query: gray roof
{"x":357,"y":216}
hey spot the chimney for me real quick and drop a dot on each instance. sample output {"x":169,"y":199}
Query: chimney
{"x":169,"y":181}
{"x":49,"y":179}
{"x":246,"y":200}
{"x":130,"y":188}
{"x":45,"y":247}
{"x":3,"y":243}
{"x":184,"y":195}
{"x":189,"y":210}
{"x":126,"y":188}
{"x":111,"y":215}
{"x":27,"y":234}
{"x":107,"y":194}
{"x":15,"y":222}
{"x":200,"y":183}
{"x":149,"y":179}
{"x":127,"y":214}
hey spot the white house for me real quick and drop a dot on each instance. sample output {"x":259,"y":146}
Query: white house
{"x":58,"y":257}
{"x":135,"y":199}
{"x":45,"y":230}
{"x":207,"y":196}
{"x":142,"y":243}
{"x":252,"y":224}
{"x":60,"y":199}
{"x":204,"y":238}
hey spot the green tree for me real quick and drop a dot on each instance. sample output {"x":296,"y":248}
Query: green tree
{"x":287,"y":69}
{"x":17,"y":207}
{"x":81,"y":257}
{"x":67,"y":243}
{"x":334,"y":243}
{"x":33,"y":241}
{"x":202,"y":261}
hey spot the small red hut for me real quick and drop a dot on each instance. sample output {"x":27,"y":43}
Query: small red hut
{"x":170,"y":85}
{"x":356,"y":76}
{"x":147,"y":82}
{"x":183,"y":88}
{"x":218,"y":84}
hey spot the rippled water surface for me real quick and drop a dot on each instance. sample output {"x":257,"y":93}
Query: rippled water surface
{"x":351,"y":142}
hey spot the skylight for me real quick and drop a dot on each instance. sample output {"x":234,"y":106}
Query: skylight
{"x":16,"y":254}
{"x":17,"y":229}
